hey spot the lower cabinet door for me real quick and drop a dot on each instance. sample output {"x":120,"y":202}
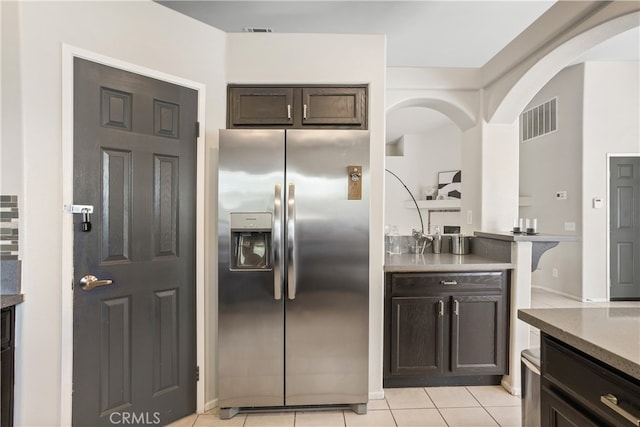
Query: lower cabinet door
{"x":557,"y":412}
{"x":478,"y":334}
{"x":417,"y":335}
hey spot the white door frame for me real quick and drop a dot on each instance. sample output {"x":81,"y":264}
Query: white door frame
{"x":66,"y":368}
{"x":608,"y":206}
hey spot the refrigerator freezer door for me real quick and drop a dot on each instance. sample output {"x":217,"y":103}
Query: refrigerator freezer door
{"x":250,"y":310}
{"x":327,"y":324}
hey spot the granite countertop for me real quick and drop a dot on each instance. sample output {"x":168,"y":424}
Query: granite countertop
{"x":9,"y":300}
{"x":609,"y":334}
{"x":510,"y":237}
{"x":442,"y":262}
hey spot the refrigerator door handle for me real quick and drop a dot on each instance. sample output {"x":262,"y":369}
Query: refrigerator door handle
{"x":277,"y":242}
{"x":291,"y":242}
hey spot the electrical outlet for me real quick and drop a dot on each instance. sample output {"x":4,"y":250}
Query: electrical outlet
{"x":469,"y":217}
{"x":569,"y":226}
{"x":554,"y":272}
{"x":561,"y":195}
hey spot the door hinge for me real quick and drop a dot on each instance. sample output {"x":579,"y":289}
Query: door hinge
{"x":197,"y":373}
{"x":197,"y":129}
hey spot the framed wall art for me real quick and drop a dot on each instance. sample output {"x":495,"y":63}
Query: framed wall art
{"x":450,"y":184}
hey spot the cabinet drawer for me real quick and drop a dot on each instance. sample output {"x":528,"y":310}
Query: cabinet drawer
{"x":412,"y":283}
{"x":586,"y":381}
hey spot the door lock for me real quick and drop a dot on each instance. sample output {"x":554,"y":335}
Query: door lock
{"x":85,"y":226}
{"x":86,"y":211}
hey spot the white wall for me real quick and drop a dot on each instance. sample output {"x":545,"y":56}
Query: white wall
{"x":423,"y":157}
{"x":594,"y":120}
{"x":142,"y":33}
{"x":456,"y":94}
{"x":498,"y":177}
{"x":330,"y":58}
{"x":611,"y":126}
{"x":552,"y":163}
{"x":10,"y":142}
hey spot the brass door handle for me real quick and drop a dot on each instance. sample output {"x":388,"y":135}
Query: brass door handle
{"x":89,"y":282}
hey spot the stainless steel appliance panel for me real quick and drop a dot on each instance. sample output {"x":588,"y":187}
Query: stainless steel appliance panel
{"x":251,"y":309}
{"x":327,"y":318}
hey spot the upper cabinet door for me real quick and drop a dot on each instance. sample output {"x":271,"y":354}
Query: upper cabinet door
{"x":297,"y":107}
{"x":334,"y":106}
{"x":260,"y":106}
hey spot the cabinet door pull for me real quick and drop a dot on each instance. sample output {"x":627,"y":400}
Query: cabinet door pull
{"x":456,"y":307}
{"x":304,"y":111}
{"x":440,"y":308}
{"x":611,"y":401}
{"x":448,"y":282}
{"x":289,"y":111}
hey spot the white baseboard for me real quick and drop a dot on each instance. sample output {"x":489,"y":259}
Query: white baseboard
{"x":556,"y":292}
{"x":513,"y":390}
{"x":573,"y":297}
{"x":376,"y":395}
{"x":210,"y":405}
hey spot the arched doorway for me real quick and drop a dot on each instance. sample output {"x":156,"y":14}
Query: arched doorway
{"x":421,"y":143}
{"x":597,"y":117}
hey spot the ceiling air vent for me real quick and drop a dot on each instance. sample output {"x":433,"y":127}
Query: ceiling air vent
{"x":539,"y":120}
{"x":257,"y":30}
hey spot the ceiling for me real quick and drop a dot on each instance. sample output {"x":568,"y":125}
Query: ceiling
{"x":418,"y":120}
{"x":419,"y":33}
{"x":446,"y":34}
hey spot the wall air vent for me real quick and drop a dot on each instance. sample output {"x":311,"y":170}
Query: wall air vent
{"x":257,"y":30}
{"x":539,"y":120}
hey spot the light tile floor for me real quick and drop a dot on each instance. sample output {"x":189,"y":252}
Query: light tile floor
{"x":475,"y":406}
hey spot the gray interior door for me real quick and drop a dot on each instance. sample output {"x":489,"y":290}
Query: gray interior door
{"x":134,"y":348}
{"x":624,"y":212}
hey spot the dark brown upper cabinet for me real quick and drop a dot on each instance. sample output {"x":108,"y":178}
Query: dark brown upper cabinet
{"x":297,"y":107}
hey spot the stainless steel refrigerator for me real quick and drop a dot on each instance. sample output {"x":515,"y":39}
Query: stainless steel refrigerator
{"x":293,"y":278}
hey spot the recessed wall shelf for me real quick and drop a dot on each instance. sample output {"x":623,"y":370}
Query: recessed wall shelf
{"x":433,"y":205}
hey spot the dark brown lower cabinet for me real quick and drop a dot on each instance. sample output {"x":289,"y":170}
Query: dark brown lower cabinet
{"x":478,"y":340}
{"x":7,"y":366}
{"x":445,"y":329}
{"x":558,"y":412}
{"x":418,"y":336}
{"x":578,"y":390}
